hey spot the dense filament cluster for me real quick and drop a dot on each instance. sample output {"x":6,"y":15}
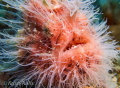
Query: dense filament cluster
{"x":62,"y":46}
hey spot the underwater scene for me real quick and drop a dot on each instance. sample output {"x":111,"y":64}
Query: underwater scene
{"x":59,"y":44}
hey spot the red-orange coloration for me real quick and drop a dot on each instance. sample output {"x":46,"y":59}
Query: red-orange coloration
{"x":61,"y":47}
